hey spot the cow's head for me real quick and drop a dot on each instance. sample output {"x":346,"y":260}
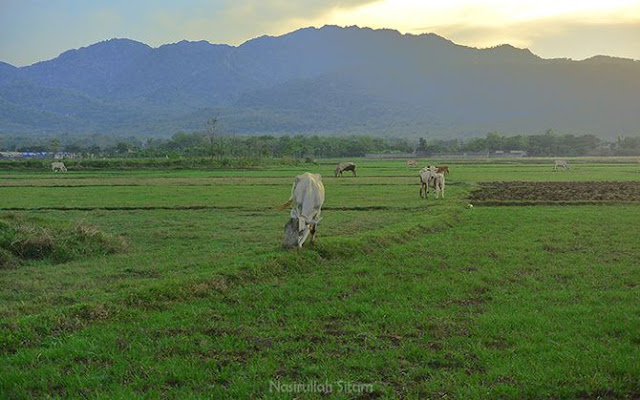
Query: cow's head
{"x":296,"y":231}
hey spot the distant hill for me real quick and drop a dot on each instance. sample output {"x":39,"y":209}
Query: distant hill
{"x":328,"y":80}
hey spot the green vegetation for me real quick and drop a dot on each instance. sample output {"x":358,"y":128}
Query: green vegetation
{"x":235,"y":150}
{"x":416,"y":298}
{"x":131,"y":163}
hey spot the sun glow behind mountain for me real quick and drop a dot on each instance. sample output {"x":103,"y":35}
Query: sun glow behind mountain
{"x":550,"y":28}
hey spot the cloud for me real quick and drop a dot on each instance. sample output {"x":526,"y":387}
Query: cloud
{"x":559,"y":37}
{"x":239,"y":21}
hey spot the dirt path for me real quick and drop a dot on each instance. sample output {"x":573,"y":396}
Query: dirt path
{"x":518,"y":192}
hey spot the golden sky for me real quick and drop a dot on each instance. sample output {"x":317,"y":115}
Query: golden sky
{"x":33,"y":30}
{"x":550,"y":28}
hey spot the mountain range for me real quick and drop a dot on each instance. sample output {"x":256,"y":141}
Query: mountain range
{"x":328,"y":80}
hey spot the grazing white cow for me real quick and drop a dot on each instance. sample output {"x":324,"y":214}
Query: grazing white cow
{"x":58,"y":166}
{"x":345,"y":167}
{"x":307,"y":196}
{"x":430,"y":176}
{"x":560,"y":163}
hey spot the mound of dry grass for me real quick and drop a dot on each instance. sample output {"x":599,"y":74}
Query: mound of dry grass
{"x":22,"y":240}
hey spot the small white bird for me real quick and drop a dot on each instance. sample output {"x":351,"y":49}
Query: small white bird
{"x":469,"y":205}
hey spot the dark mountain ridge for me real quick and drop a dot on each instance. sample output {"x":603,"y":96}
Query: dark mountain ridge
{"x":330,"y":80}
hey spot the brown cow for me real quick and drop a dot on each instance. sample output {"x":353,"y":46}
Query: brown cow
{"x":340,"y":168}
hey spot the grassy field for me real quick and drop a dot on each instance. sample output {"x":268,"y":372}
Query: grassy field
{"x":400,"y":297}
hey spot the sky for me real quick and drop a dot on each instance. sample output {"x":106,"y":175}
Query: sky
{"x":38,"y":30}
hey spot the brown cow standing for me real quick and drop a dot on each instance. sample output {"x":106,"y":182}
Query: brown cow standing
{"x":345,"y":167}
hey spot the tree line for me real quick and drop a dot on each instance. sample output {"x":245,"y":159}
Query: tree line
{"x":208,"y":144}
{"x":548,"y":144}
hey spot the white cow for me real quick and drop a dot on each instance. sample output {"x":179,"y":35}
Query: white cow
{"x":430,"y":176}
{"x":307,"y":196}
{"x":58,"y":166}
{"x":560,"y":163}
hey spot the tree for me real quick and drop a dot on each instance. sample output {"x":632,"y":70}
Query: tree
{"x":211,"y":133}
{"x":122,"y":147}
{"x":54,"y":145}
{"x":74,"y":148}
{"x":422,"y":145}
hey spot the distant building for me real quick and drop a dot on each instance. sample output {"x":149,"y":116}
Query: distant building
{"x":34,"y":154}
{"x":39,"y":154}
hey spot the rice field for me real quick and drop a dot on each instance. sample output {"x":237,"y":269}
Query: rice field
{"x":186,"y":292}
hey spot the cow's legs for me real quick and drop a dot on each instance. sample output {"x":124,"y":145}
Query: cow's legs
{"x":305,"y":234}
{"x":312,"y":228}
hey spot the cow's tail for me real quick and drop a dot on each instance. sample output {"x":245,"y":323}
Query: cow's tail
{"x":285,"y":205}
{"x":288,"y":203}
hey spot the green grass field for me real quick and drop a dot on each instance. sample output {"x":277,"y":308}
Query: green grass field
{"x":400,"y":297}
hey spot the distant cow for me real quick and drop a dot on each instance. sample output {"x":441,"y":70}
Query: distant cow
{"x":307,"y":196}
{"x":430,"y":176}
{"x":345,"y":167}
{"x":58,"y":166}
{"x":561,"y":164}
{"x":443,"y":169}
{"x":412,"y":164}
